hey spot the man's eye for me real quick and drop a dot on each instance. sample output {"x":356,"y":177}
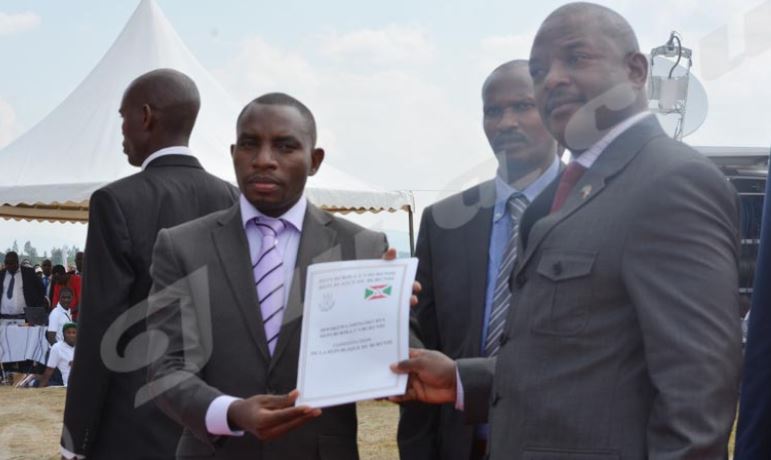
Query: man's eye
{"x":537,"y":73}
{"x":523,"y":106}
{"x":247,"y":143}
{"x":492,"y":112}
{"x":576,"y":58}
{"x":286,"y":147}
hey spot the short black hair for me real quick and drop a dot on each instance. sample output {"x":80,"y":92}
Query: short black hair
{"x":172,"y":94}
{"x":69,"y":326}
{"x":506,"y":66}
{"x":65,"y":289}
{"x":58,"y":269}
{"x":285,"y":99}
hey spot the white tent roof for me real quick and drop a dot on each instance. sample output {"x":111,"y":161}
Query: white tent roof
{"x":84,"y":130}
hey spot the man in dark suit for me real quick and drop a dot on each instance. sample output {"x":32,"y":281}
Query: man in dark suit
{"x":101,"y":420}
{"x":458,"y":311}
{"x":21,"y":288}
{"x":236,"y":280}
{"x":638,"y":238}
{"x":752,"y":432}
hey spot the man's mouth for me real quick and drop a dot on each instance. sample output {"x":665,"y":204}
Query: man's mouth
{"x":505,"y":141}
{"x":558,"y":104}
{"x":263,"y":184}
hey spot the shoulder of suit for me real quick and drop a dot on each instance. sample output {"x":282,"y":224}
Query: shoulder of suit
{"x":665,"y":154}
{"x":203,"y":224}
{"x":126,"y":187}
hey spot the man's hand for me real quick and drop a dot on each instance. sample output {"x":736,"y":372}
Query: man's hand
{"x":390,"y":254}
{"x":269,"y":416}
{"x":432,"y":377}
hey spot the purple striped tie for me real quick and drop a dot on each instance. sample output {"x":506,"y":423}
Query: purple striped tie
{"x":269,"y":278}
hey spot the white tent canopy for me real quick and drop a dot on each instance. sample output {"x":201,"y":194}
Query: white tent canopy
{"x":84,"y":130}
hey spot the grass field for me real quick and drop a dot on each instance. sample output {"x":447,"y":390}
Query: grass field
{"x":31,"y":423}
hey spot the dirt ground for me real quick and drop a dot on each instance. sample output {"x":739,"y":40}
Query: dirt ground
{"x":31,"y":422}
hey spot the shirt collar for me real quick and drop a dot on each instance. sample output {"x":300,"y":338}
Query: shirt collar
{"x":589,"y":156}
{"x":174,"y":150}
{"x":295,"y":215}
{"x":504,"y":191}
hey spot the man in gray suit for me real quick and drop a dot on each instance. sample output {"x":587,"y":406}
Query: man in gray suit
{"x":458,"y":311}
{"x":623,"y":340}
{"x":234,"y":335}
{"x":101,"y":418}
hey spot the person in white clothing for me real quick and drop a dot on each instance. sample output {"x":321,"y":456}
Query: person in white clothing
{"x":61,"y":355}
{"x":59,"y":316}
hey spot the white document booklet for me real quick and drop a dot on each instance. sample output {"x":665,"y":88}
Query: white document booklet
{"x":355,"y":325}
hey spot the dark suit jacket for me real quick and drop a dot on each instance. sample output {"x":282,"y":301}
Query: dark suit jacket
{"x":210,"y":315}
{"x":100,"y":419}
{"x":34,"y":295}
{"x":453,"y":248}
{"x":623,"y":340}
{"x":753,"y":436}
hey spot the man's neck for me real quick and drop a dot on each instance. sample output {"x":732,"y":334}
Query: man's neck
{"x":521,"y":179}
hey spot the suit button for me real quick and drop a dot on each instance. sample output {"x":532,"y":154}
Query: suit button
{"x":557,"y":268}
{"x":502,"y":339}
{"x":521,"y":280}
{"x":496,"y":398}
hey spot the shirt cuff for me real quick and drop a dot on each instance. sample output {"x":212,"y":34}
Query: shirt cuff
{"x":217,"y":417}
{"x":69,"y":455}
{"x":458,"y":390}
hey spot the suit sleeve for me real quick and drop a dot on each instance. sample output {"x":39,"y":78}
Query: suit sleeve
{"x":108,"y":278}
{"x":680,"y":269}
{"x":177,"y":322}
{"x":476,"y":376}
{"x":419,"y":423}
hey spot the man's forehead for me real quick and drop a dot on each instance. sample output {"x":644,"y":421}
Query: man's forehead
{"x":514,"y":85}
{"x":277,"y":116}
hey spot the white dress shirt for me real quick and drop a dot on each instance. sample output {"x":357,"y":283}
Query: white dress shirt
{"x":288,"y":243}
{"x":15,"y":305}
{"x":175,"y":150}
{"x":591,"y":154}
{"x":59,"y":317}
{"x":61,"y":358}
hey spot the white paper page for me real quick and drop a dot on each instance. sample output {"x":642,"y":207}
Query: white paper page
{"x":355,"y":325}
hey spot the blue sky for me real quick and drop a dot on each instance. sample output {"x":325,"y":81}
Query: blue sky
{"x":395,"y":85}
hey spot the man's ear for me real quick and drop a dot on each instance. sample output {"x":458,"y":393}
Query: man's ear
{"x":317,"y":157}
{"x":148,"y":117}
{"x":637,"y":69}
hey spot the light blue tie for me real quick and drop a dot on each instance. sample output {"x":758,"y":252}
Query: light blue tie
{"x":269,"y":278}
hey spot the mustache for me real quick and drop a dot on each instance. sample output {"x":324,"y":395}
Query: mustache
{"x":509,"y":137}
{"x":259,"y":178}
{"x":557,"y":98}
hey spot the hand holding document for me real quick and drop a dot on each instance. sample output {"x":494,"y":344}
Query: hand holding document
{"x":355,"y":324}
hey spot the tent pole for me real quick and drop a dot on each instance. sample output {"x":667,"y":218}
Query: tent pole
{"x":412,"y":232}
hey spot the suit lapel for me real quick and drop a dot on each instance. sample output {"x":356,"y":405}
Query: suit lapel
{"x":612,"y":161}
{"x":318,"y":243}
{"x":476,"y":237}
{"x":233,"y":251}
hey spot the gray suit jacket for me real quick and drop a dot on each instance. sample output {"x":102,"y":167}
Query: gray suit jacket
{"x":217,"y":343}
{"x":623,"y":340}
{"x":453,"y":246}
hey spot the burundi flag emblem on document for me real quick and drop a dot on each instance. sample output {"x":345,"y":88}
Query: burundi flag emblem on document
{"x":377,"y":291}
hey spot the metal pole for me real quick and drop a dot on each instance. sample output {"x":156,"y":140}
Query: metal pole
{"x":412,"y":233}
